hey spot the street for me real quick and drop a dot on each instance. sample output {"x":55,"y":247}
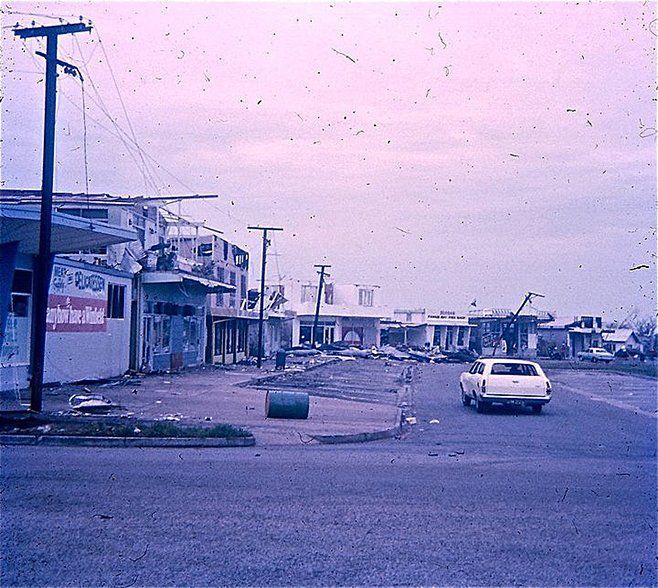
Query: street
{"x":567,"y":497}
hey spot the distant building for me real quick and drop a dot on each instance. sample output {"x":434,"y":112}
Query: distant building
{"x":419,"y":328}
{"x":517,"y":338}
{"x":565,"y":338}
{"x":277,"y":321}
{"x":348,"y":312}
{"x":618,"y":339}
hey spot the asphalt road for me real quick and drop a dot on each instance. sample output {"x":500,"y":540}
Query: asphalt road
{"x":567,"y":497}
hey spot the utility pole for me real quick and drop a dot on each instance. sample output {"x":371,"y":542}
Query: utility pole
{"x":262,"y":289}
{"x":528,"y":297}
{"x":317,"y":304}
{"x":43,"y":262}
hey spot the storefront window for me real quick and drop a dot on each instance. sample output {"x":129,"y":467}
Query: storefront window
{"x":161,"y":333}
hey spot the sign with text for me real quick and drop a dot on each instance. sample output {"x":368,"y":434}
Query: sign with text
{"x":77,"y":302}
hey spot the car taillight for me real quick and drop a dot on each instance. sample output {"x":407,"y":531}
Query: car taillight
{"x":484,"y":387}
{"x":548,"y":388}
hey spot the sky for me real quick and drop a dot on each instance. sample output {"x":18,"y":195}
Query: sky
{"x":449,"y":152}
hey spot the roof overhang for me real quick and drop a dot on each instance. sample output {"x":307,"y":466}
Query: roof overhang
{"x":70,"y":234}
{"x":175,"y":277}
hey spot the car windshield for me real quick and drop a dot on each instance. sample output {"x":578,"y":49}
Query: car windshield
{"x":513,"y":369}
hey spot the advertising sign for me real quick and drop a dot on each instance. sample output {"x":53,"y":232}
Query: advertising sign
{"x":77,"y":302}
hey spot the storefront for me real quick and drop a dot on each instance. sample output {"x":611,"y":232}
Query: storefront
{"x":88,"y":322}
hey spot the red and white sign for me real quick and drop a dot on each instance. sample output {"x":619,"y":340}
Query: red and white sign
{"x":78,"y":301}
{"x":71,"y":314}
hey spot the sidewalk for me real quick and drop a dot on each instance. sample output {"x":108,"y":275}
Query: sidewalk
{"x":219,"y":395}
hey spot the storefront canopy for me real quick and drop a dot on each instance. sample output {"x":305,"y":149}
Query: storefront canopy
{"x":69,"y":233}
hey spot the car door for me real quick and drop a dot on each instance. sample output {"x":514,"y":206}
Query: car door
{"x":467,"y":377}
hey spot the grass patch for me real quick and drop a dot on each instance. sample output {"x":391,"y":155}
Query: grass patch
{"x":130,"y":428}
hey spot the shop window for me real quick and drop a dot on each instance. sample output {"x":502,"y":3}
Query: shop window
{"x":161,"y":333}
{"x":22,"y":282}
{"x":190,"y":333}
{"x":116,"y":301}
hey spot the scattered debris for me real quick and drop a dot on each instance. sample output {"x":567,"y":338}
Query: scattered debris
{"x":91,"y":403}
{"x":433,"y":454}
{"x":410,"y":420}
{"x":640,"y":266}
{"x":172,"y":417}
{"x":103,"y":517}
{"x":435,"y":422}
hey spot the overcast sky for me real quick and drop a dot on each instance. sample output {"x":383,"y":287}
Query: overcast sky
{"x":447,"y":152}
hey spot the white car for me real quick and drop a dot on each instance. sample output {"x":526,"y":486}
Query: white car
{"x":505,"y":381}
{"x":596,"y":354}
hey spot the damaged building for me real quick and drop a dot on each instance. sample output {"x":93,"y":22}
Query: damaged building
{"x":348,"y":312}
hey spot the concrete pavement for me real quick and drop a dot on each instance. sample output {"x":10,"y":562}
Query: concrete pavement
{"x":225,"y":395}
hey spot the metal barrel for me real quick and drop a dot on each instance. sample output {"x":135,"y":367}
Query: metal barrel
{"x":286,"y":405}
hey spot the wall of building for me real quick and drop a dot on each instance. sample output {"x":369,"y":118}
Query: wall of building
{"x":87,"y":337}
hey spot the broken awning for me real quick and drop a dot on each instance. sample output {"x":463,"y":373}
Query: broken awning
{"x":69,"y":233}
{"x":176,"y":277}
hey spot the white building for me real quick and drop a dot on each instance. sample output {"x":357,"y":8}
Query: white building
{"x":348,"y":312}
{"x":619,"y":339}
{"x":88,"y":316}
{"x":419,"y":328}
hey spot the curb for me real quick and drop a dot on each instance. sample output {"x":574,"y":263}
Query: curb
{"x":362,"y":437}
{"x":86,"y":441}
{"x":357,"y":437}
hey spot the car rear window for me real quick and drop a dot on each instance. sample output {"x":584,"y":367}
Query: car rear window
{"x":513,"y":369}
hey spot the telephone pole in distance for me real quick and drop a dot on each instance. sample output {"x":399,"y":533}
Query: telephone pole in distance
{"x":262,"y":289}
{"x":43,"y":262}
{"x":323,"y":267}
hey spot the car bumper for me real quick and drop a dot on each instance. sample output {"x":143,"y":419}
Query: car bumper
{"x":517,"y":400}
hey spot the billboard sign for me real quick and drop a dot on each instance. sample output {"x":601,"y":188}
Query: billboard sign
{"x":77,"y":302}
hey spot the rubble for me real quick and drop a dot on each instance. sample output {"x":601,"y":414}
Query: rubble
{"x":91,"y":403}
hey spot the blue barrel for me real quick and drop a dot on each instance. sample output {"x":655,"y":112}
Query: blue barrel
{"x":286,"y":405}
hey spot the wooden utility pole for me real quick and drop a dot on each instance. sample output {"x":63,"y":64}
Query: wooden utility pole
{"x":43,"y":262}
{"x":317,"y":304}
{"x":262,"y":289}
{"x":528,"y":297}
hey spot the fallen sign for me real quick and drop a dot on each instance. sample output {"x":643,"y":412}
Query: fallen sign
{"x":286,"y":405}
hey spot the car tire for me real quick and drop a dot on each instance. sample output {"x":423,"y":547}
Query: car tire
{"x":537,"y":408}
{"x":480,"y":405}
{"x":466,"y":400}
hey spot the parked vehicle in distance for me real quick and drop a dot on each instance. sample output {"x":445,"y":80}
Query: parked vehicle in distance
{"x":505,"y":381}
{"x":595,"y":354}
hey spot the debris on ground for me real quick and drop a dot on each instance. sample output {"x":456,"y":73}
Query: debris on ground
{"x":410,"y":420}
{"x":91,"y":403}
{"x":435,"y":422}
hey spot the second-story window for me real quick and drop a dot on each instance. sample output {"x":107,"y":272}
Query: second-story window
{"x":365,"y":297}
{"x":308,"y":293}
{"x":231,"y":298}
